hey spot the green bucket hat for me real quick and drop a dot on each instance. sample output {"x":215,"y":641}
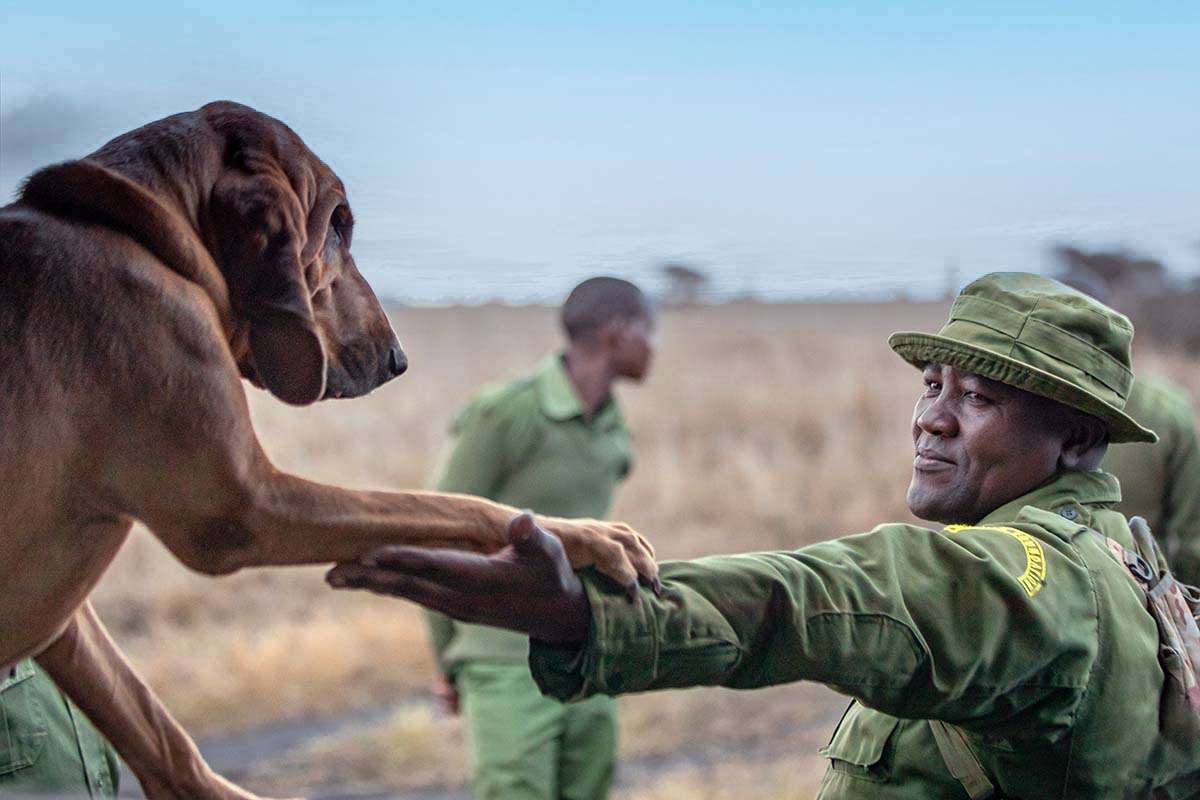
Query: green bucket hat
{"x":1036,"y":334}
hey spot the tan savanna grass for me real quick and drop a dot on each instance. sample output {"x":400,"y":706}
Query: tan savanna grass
{"x":762,"y":427}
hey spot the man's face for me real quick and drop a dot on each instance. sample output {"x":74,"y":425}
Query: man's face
{"x":979,"y":444}
{"x":634,"y":346}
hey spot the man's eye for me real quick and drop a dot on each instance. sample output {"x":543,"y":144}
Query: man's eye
{"x":932,"y":387}
{"x":975,"y":397}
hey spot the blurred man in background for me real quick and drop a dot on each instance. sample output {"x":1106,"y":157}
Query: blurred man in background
{"x":47,"y":745}
{"x":1160,"y":482}
{"x":553,"y":442}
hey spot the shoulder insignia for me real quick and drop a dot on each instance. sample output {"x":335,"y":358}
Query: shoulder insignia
{"x":1034,"y":577}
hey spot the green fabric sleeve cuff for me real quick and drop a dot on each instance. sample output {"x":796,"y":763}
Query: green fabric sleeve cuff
{"x":619,"y":646}
{"x":558,"y":669}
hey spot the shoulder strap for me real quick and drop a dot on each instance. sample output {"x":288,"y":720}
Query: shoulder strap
{"x":1176,"y":611}
{"x":961,"y":761}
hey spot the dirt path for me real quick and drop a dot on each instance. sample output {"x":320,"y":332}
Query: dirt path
{"x":237,"y":754}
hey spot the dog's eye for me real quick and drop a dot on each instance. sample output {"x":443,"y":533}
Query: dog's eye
{"x":341,"y":224}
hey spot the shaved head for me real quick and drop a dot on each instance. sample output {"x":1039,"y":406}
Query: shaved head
{"x":598,"y":301}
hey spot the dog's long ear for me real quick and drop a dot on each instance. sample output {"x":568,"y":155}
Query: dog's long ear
{"x":89,"y":191}
{"x":259,"y":225}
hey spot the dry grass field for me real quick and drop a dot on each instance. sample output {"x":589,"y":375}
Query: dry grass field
{"x":762,"y":427}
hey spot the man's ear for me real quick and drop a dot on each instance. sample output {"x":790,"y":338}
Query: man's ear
{"x":1085,"y":445}
{"x":611,"y":332}
{"x":259,"y":226}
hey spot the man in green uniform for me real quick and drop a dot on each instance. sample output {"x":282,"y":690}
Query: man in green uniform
{"x":554,"y":442}
{"x":1160,"y":483}
{"x":1012,"y":635}
{"x":47,"y":746}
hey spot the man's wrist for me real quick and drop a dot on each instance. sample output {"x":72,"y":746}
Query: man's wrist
{"x":573,"y":619}
{"x":561,"y":669}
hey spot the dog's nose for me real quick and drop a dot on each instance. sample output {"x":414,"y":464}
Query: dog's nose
{"x":397,"y":361}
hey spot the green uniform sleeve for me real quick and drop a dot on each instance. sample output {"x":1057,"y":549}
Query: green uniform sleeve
{"x":441,"y":634}
{"x":475,"y":466}
{"x":913,"y":622}
{"x":1182,"y":498}
{"x":488,"y":438}
{"x":476,"y":461}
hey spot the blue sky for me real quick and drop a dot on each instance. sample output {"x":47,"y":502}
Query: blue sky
{"x":511,"y":148}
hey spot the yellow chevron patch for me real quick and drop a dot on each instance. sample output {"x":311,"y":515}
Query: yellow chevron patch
{"x":1034,"y":577}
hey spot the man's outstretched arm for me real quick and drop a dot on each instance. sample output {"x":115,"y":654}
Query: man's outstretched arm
{"x":911,"y":621}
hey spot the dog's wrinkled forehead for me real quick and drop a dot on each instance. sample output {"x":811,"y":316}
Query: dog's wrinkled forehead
{"x":257,"y":142}
{"x":253,"y":138}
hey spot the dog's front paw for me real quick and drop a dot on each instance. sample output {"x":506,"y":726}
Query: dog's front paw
{"x":613,"y":548}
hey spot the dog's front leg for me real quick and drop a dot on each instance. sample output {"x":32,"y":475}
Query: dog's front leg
{"x":191,"y":468}
{"x":88,"y":667}
{"x":264,"y":517}
{"x":294,"y":521}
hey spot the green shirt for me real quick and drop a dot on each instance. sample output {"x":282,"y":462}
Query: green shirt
{"x":1022,"y":630}
{"x":1161,"y":482}
{"x":527,"y":443}
{"x":46,"y":744}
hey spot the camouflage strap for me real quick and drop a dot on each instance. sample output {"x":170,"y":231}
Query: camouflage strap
{"x":1174,"y":606}
{"x":961,"y":761}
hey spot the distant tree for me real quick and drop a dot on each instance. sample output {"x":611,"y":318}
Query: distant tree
{"x":1161,"y":306}
{"x":686,"y":286}
{"x":1119,"y":270}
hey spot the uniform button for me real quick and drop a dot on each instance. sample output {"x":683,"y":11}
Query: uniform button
{"x":1068,"y":512}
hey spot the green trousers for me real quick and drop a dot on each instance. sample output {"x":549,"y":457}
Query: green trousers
{"x":47,"y":746}
{"x":524,"y":746}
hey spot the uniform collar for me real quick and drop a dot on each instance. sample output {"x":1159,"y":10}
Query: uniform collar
{"x":556,"y":394}
{"x":558,"y":398}
{"x":1071,"y":494}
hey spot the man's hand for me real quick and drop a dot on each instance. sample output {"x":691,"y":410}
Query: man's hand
{"x":527,"y":587}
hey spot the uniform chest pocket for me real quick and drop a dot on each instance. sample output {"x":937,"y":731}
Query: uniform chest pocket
{"x":862,"y":745}
{"x":22,"y":721}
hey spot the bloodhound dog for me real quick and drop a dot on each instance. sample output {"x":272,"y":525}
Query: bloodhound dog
{"x":138,"y":286}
